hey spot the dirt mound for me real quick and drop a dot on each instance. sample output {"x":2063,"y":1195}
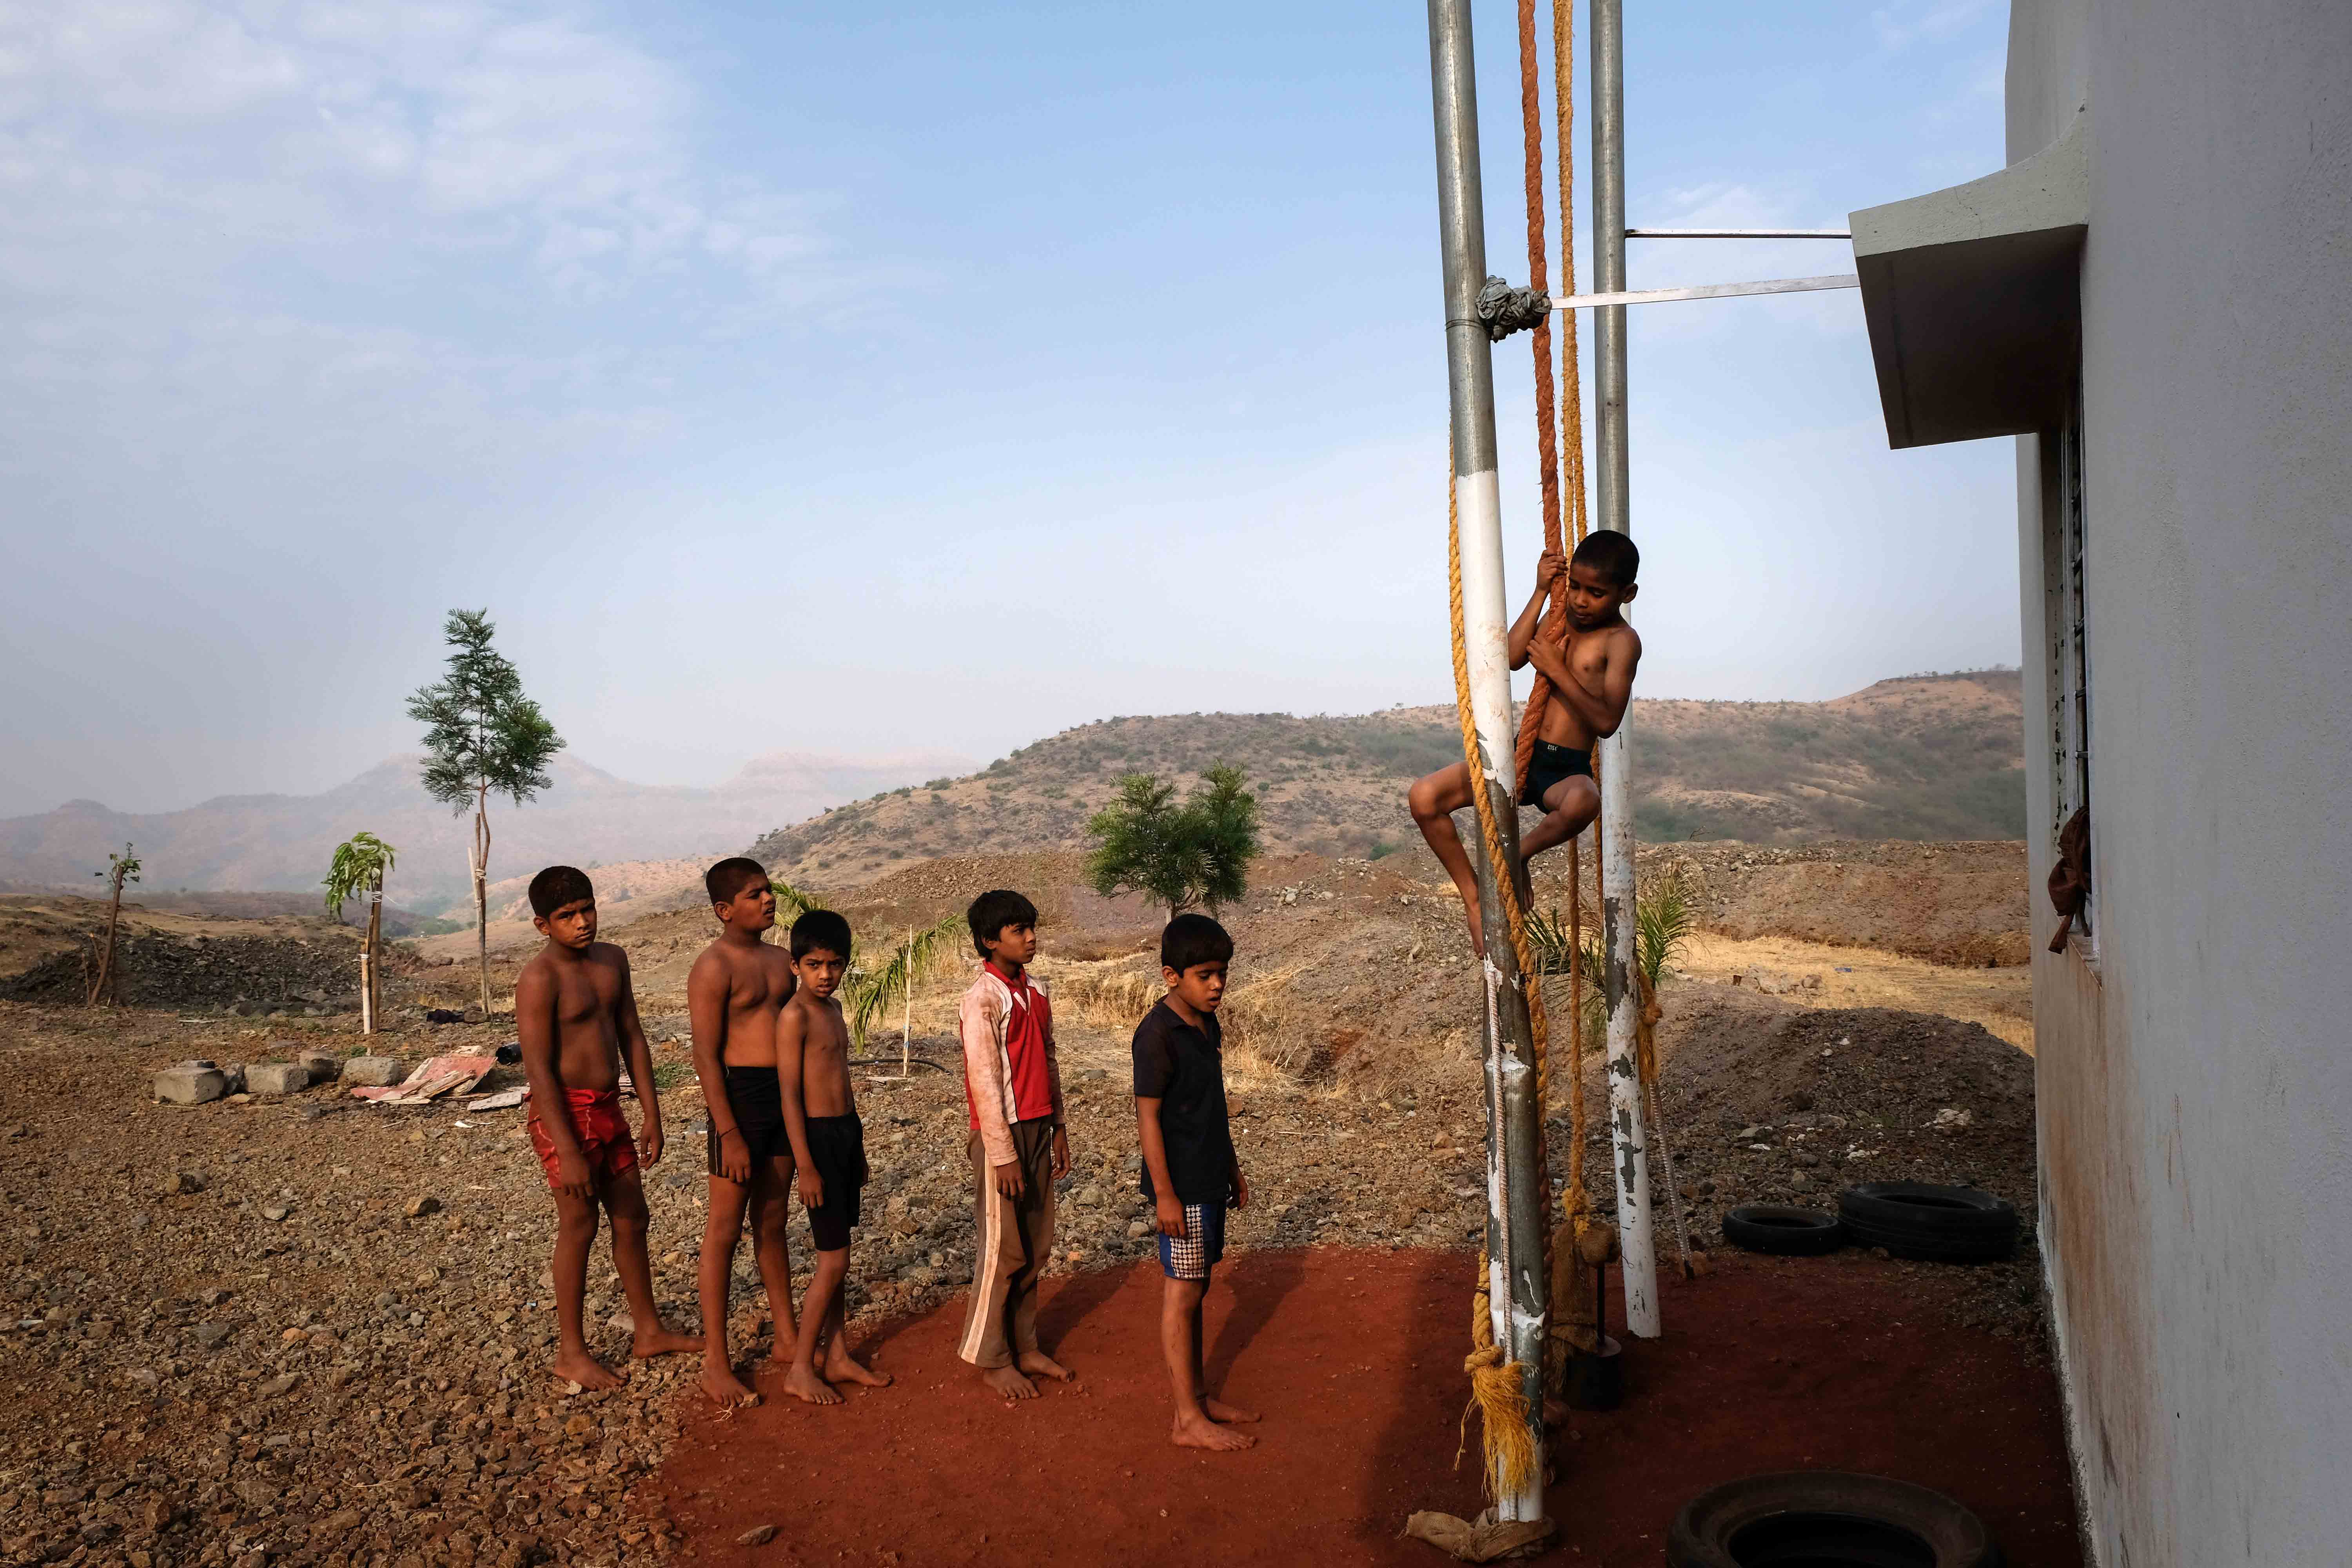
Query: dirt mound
{"x":48,"y":948}
{"x":1766,"y":1102}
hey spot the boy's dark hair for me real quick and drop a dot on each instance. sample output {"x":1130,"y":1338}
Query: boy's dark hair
{"x":993,"y":912}
{"x":730,"y":876}
{"x":558,"y":886}
{"x":1193,"y":939}
{"x":826,"y":928}
{"x":1610,"y":554}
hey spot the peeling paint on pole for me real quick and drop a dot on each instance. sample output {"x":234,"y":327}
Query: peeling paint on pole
{"x":1518,"y":1209}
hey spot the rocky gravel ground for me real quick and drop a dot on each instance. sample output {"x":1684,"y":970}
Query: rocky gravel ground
{"x":307,"y":1330}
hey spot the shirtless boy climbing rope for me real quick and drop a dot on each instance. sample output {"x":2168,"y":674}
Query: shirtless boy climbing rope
{"x":1591,"y":672}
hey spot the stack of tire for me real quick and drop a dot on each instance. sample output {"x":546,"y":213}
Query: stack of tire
{"x":1910,"y":1219}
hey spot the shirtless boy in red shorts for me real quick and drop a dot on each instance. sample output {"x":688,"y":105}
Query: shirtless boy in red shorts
{"x":574,"y":1010}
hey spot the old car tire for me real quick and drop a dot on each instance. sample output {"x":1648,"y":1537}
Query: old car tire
{"x":1827,"y":1519}
{"x":1781,"y":1229}
{"x":1914,"y":1219}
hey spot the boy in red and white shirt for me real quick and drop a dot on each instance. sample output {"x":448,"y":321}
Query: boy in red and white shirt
{"x":1013,"y":1085}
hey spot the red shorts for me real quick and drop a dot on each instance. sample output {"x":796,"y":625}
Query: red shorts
{"x":602,"y":1132}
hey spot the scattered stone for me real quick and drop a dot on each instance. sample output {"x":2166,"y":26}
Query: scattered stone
{"x":276,"y":1213}
{"x":282,"y":1384}
{"x":177,"y":1182}
{"x":758,"y":1535}
{"x":277,"y":1078}
{"x":419,"y":1207}
{"x":373,"y":1072}
{"x":191,"y":1083}
{"x":210,"y":1336}
{"x":324,"y":1066}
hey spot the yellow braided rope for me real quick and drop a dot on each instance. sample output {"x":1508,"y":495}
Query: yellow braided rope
{"x":1497,"y":1387}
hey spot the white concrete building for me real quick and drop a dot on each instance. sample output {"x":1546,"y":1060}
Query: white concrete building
{"x":2154,"y":299}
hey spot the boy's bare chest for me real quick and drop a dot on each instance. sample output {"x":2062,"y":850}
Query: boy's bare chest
{"x":585,"y":994}
{"x":758,"y":984}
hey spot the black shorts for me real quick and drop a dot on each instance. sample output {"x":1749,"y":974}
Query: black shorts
{"x":1551,"y":764}
{"x":836,"y":1146}
{"x":758,"y":1102}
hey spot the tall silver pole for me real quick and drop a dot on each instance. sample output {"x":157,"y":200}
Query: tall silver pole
{"x":1518,"y":1293}
{"x":1618,"y":928}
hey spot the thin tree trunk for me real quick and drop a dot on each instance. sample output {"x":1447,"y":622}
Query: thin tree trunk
{"x":100,"y":987}
{"x":370,"y":976}
{"x":482,"y":891}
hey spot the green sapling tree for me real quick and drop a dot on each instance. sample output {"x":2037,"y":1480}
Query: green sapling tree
{"x":481,"y":734}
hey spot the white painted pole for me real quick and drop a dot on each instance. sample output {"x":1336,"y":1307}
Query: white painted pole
{"x":367,"y":995}
{"x":1518,"y":1208}
{"x":1611,"y":473}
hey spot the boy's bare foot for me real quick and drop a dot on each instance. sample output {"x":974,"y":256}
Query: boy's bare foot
{"x":1008,"y":1381}
{"x":583,"y":1369}
{"x":725,"y":1388}
{"x":1199,"y":1432}
{"x":1038,"y":1364}
{"x":1220,"y":1411}
{"x":805,"y":1384}
{"x":662,"y":1341}
{"x":843,"y":1367}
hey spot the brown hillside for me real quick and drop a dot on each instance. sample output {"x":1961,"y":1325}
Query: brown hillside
{"x":1915,"y":758}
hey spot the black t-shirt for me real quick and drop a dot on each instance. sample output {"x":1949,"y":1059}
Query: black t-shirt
{"x":1183,"y":1069}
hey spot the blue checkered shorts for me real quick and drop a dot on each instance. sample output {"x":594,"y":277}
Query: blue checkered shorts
{"x":1203,"y":1248}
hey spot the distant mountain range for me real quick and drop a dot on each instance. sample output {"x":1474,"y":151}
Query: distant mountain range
{"x":282,"y":842}
{"x":1920,"y":757}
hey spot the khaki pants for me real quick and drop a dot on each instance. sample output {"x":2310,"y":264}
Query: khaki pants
{"x":1015,"y":1242}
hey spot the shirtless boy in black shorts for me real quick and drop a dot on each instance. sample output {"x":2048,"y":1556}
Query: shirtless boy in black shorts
{"x":1591,"y":672}
{"x":732,"y":994}
{"x":828,"y":1145}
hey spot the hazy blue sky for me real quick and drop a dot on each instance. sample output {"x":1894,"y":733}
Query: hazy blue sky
{"x":857,"y":378}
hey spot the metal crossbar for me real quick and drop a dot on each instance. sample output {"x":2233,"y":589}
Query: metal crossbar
{"x":1706,"y":292}
{"x":1737,"y":233}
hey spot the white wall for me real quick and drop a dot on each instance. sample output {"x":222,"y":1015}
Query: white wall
{"x":2196,"y":1085}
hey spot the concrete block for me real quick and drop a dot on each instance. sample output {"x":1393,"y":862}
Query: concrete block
{"x":324,"y":1066}
{"x":375,"y":1072}
{"x":190,"y":1084}
{"x":277,"y":1078}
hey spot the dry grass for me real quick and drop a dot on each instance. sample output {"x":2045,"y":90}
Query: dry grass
{"x":1812,"y":975}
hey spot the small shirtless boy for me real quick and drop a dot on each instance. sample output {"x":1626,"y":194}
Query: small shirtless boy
{"x":1019,"y":1147}
{"x":828,"y":1145}
{"x":1191,"y":1176}
{"x":1591,"y":671}
{"x":733,"y":994}
{"x":576,"y":1013}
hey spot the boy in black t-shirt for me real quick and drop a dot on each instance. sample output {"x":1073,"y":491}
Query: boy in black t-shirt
{"x":1190,"y":1173}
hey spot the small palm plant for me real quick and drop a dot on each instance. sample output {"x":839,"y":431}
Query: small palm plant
{"x":1664,"y":922}
{"x":867,"y":995}
{"x":358,"y":870}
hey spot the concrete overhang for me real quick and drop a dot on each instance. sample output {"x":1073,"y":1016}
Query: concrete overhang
{"x":1973,"y":299}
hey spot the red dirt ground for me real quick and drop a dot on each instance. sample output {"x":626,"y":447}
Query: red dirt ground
{"x":1354,"y":1358}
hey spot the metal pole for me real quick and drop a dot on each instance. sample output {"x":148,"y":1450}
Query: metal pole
{"x":1611,"y":475}
{"x":1516,"y":1207}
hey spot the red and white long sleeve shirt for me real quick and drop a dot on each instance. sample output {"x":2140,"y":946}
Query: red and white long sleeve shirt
{"x":1010,"y":1071}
